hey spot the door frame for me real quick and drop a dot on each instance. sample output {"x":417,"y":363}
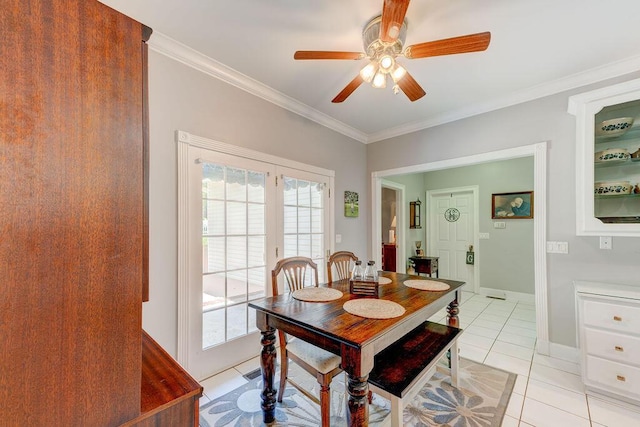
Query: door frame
{"x":475,"y":190}
{"x":539,"y":153}
{"x":185,"y":140}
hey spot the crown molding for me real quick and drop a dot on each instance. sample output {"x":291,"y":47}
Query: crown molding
{"x":593,"y":75}
{"x":177,"y":51}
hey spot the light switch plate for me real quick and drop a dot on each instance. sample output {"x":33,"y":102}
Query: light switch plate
{"x":558,"y":247}
{"x":338,"y":238}
{"x":499,"y":224}
{"x":483,"y":236}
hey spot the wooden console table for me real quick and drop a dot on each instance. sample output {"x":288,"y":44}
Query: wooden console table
{"x":425,"y":264}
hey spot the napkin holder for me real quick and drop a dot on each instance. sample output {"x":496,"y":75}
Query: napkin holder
{"x":363,"y":287}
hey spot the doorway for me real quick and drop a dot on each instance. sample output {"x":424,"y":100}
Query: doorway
{"x":390,"y":254}
{"x":389,"y":220}
{"x":539,"y":153}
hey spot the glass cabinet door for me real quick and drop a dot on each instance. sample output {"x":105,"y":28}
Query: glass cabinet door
{"x":608,"y":160}
{"x":617,"y":163}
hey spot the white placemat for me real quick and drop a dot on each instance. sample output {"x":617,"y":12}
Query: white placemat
{"x":384,"y":280}
{"x":373,"y":308}
{"x":315,"y":294}
{"x":427,"y":285}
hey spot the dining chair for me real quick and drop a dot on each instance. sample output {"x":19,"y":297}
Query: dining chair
{"x":318,"y":362}
{"x":342,"y":262}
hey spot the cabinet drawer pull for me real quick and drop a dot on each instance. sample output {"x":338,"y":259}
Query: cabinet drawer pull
{"x":620,"y":378}
{"x":618,"y":348}
{"x":617,"y":318}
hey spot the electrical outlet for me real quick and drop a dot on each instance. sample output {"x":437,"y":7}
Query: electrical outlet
{"x":605,"y":242}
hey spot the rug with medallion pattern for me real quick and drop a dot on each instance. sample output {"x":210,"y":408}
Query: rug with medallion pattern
{"x":480,"y":401}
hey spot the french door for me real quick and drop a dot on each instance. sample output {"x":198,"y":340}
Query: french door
{"x":243,"y":215}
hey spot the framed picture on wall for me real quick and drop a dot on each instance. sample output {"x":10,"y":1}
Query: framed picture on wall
{"x":351,"y":204}
{"x":512,"y":205}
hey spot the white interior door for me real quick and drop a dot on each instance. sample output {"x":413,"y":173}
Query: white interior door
{"x":452,"y":223}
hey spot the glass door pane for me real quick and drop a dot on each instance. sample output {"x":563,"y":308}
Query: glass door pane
{"x":233,"y":250}
{"x":304,"y":215}
{"x":616,"y":160}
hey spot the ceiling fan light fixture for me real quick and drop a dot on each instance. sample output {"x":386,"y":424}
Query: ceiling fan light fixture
{"x":398,"y":73}
{"x":369,"y":71}
{"x":386,"y":63}
{"x":379,"y":80}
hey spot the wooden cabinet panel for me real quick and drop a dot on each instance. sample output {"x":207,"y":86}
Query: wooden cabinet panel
{"x":72,"y":209}
{"x":169,"y":394}
{"x":389,"y":257}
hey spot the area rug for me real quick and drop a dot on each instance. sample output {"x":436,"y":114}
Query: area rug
{"x":481,"y":400}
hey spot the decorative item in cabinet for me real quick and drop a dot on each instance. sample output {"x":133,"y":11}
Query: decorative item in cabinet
{"x":608,"y":319}
{"x":608,"y":160}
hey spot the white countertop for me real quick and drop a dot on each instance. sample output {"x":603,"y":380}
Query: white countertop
{"x":608,"y":289}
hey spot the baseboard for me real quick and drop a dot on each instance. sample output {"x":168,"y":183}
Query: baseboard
{"x":508,"y":295}
{"x":564,"y":352}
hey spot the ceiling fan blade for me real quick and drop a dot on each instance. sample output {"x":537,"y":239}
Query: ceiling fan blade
{"x":348,"y":90}
{"x":463,"y":44}
{"x":393,"y":12}
{"x":321,"y":54}
{"x":411,"y":88}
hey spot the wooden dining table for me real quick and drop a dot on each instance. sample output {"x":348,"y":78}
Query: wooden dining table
{"x":355,"y":339}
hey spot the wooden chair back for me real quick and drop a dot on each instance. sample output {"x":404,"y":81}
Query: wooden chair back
{"x":295,"y":270}
{"x":342,"y":261}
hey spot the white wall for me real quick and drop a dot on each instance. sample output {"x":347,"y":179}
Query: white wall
{"x":545,"y":119}
{"x":185,"y":99}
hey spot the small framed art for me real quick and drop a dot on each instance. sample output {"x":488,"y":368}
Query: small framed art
{"x":512,"y":205}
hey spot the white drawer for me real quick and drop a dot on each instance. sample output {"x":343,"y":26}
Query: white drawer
{"x":613,"y":377}
{"x":613,"y":346}
{"x":616,"y":315}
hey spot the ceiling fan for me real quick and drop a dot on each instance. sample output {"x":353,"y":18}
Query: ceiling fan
{"x":383,"y":39}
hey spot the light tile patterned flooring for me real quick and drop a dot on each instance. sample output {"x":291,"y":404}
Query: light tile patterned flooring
{"x":548,"y":391}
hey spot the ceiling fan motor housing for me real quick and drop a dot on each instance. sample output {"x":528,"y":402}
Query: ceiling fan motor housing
{"x":374,"y":47}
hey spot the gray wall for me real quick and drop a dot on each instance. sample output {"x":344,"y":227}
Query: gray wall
{"x":545,"y":119}
{"x":183,"y":98}
{"x":506,"y":259}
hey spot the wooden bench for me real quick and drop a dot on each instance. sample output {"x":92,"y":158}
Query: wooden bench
{"x":410,"y":362}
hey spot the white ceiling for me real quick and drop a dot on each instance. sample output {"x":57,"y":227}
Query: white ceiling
{"x":537,"y":47}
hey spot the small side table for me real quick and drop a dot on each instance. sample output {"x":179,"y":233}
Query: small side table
{"x":425,"y":264}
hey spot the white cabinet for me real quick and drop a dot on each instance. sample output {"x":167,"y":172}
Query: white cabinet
{"x":607,"y":177}
{"x":608,"y":319}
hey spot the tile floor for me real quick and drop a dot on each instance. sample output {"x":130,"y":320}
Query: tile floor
{"x":548,"y":391}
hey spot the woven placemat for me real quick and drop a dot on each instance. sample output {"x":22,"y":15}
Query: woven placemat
{"x":427,"y":285}
{"x":315,"y":294}
{"x":384,"y":280}
{"x":374,"y":308}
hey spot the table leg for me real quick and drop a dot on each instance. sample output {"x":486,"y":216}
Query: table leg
{"x":357,"y":406}
{"x":268,"y":365}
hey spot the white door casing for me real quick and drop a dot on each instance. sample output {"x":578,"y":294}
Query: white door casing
{"x":539,"y":153}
